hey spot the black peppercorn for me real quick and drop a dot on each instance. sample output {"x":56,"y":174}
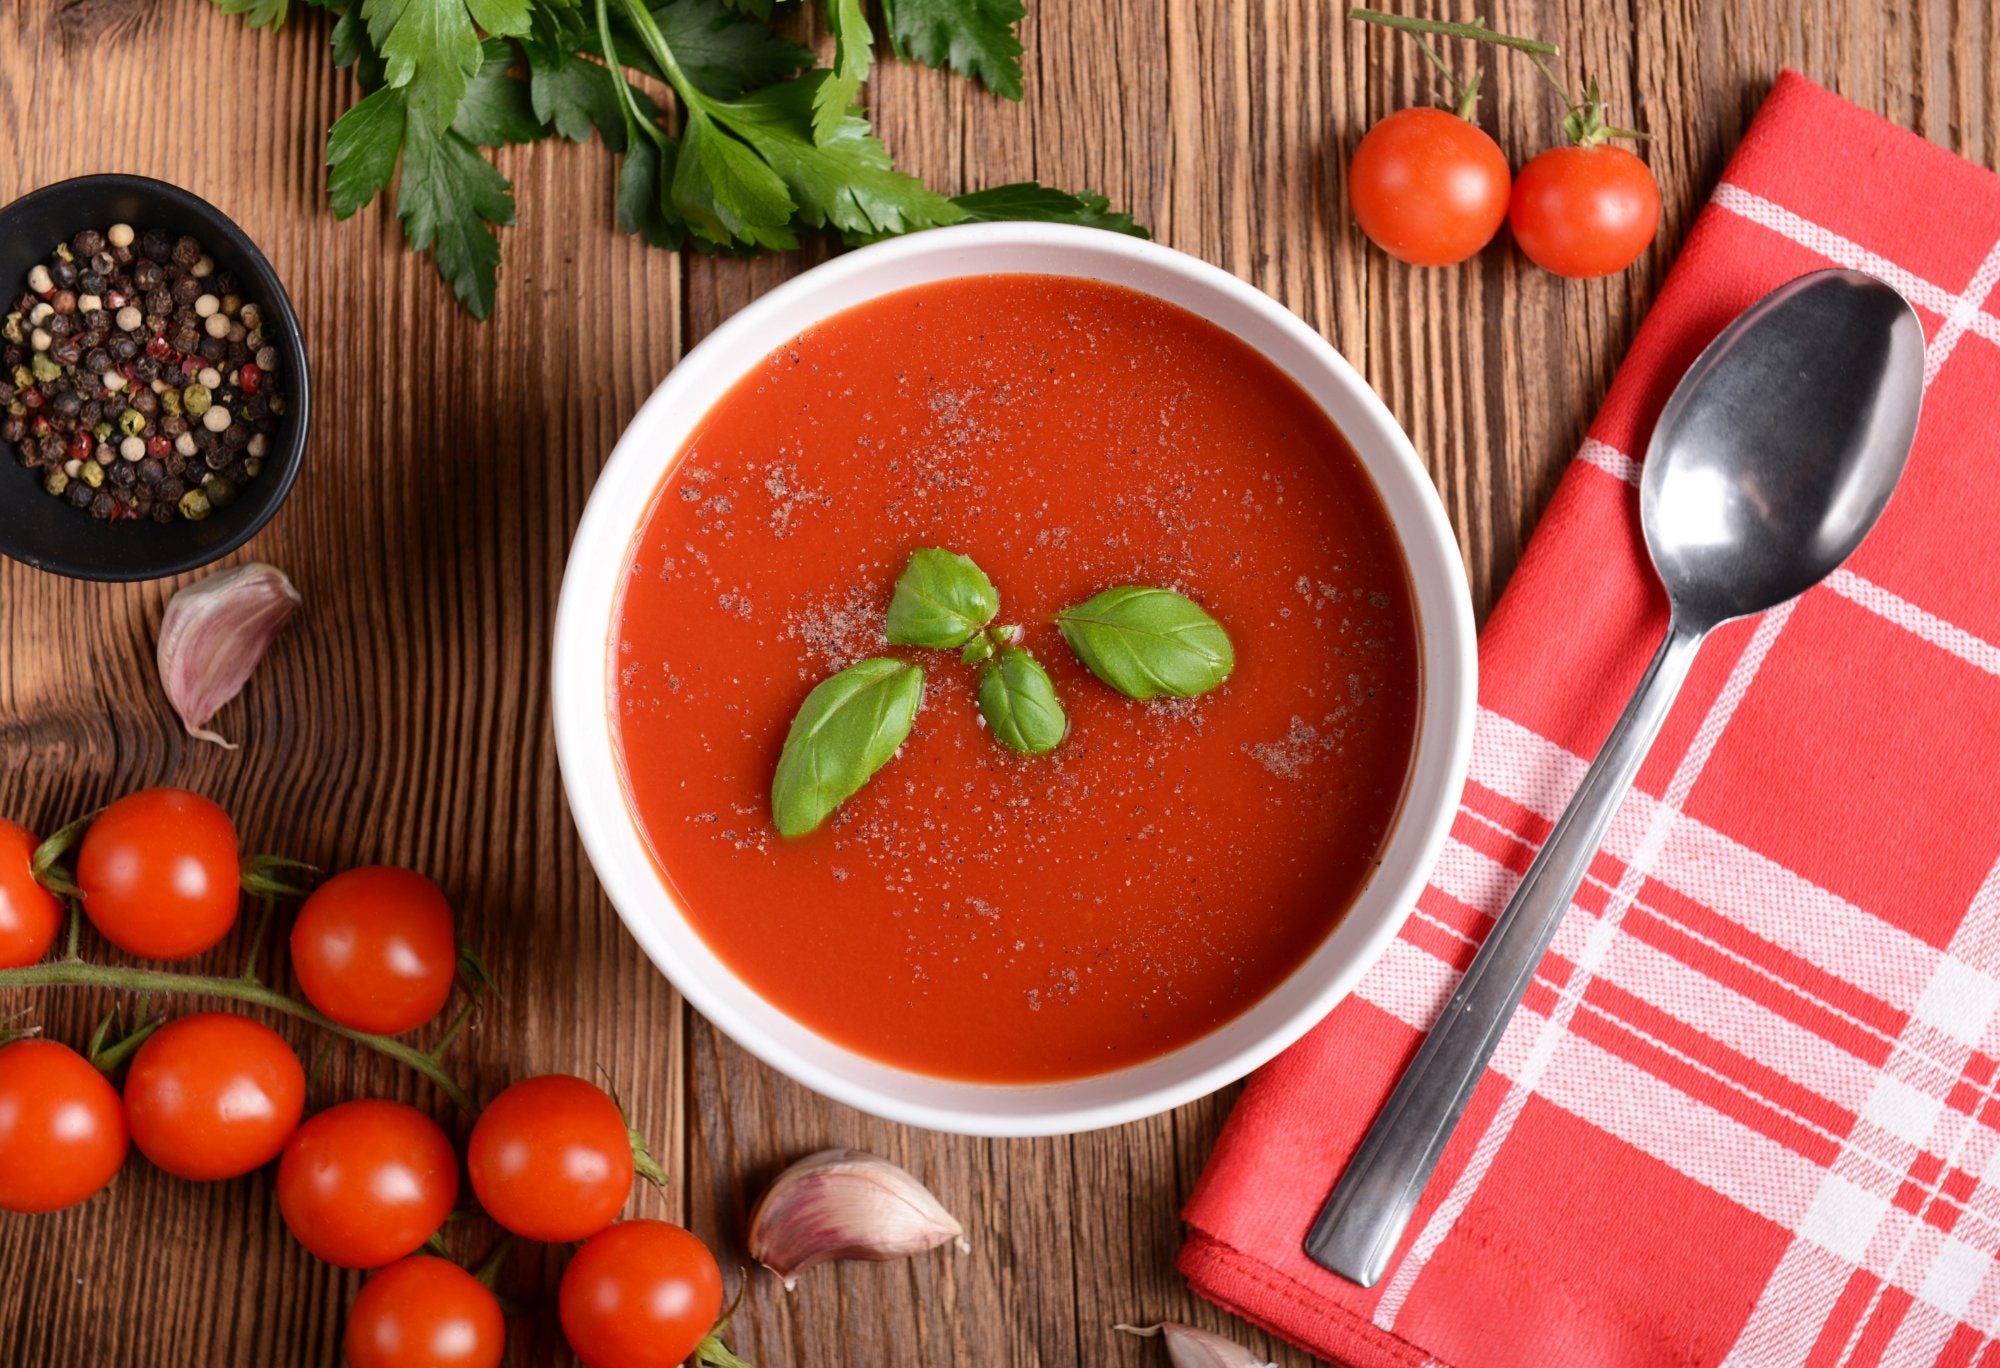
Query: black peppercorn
{"x":64,"y":273}
{"x":152,"y":470}
{"x":97,"y":360}
{"x":217,"y":457}
{"x":87,"y":243}
{"x":210,"y":348}
{"x":63,"y":302}
{"x":58,"y":325}
{"x":173,"y":425}
{"x":123,"y":348}
{"x":234,"y":436}
{"x":186,"y":251}
{"x":68,"y":404}
{"x":144,"y":400}
{"x":102,"y":263}
{"x":50,"y":450}
{"x":92,"y":283}
{"x":173,"y":486}
{"x":185,"y":339}
{"x":145,"y":370}
{"x":93,"y":413}
{"x":155,"y":243}
{"x":102,"y":504}
{"x":66,"y":353}
{"x":147,"y":276}
{"x":159,"y":302}
{"x":224,"y":283}
{"x":124,"y":473}
{"x":13,"y":429}
{"x":186,"y":290}
{"x":80,"y":494}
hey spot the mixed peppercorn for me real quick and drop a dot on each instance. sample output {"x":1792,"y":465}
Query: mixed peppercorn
{"x":137,"y":381}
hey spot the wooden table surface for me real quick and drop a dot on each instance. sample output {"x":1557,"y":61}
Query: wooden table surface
{"x":405,"y":716}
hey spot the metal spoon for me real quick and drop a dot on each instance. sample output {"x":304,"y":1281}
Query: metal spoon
{"x":1770,"y":463}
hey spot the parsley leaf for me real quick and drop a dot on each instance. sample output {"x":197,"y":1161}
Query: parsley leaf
{"x":1039,"y":203}
{"x":361,"y":151}
{"x":497,"y":108}
{"x":643,"y":180}
{"x":428,"y":47}
{"x":574,"y":95}
{"x":726,"y":191}
{"x":509,"y":17}
{"x":972,"y":37}
{"x":756,"y":9}
{"x":257,"y":13}
{"x":853,"y":49}
{"x":352,"y":49}
{"x":449,"y":196}
{"x":846,"y":179}
{"x":724,"y":53}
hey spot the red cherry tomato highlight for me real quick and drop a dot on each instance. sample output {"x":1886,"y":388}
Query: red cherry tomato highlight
{"x":365,"y":1183}
{"x":1584,"y":212}
{"x":213,"y":1096}
{"x":551,"y":1160}
{"x":159,"y":872}
{"x":62,"y":1128}
{"x":375,"y":949}
{"x":642,"y":1294}
{"x":30,"y":915}
{"x":424,"y":1313}
{"x":1428,"y":187}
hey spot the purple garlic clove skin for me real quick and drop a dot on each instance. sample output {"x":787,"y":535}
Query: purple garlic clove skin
{"x":1188,"y":1347}
{"x":845,"y":1204}
{"x":212,"y":636}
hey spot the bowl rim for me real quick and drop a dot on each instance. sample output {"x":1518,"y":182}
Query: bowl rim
{"x":274,"y":299}
{"x":581,"y":662}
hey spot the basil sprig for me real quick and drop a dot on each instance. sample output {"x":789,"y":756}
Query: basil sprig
{"x":1145,"y":642}
{"x":1142,"y":641}
{"x":1018,"y":700}
{"x":942,"y":600}
{"x":848,"y":727}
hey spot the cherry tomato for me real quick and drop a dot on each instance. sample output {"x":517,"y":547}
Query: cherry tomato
{"x":640,"y":1294}
{"x":1428,"y":187}
{"x":159,"y":873}
{"x":30,"y":915}
{"x":213,"y":1095}
{"x":374,"y":949}
{"x":425,"y":1313}
{"x":365,"y":1183}
{"x":551,"y":1160}
{"x":62,"y":1130}
{"x":1583,"y":212}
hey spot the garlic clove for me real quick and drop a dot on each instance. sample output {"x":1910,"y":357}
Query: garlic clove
{"x":846,"y":1204}
{"x":1188,"y":1347}
{"x":212,"y":636}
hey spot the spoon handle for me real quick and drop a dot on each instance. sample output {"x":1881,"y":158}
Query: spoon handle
{"x":1360,"y":1225}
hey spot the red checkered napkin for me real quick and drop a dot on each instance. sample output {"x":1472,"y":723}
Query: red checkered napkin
{"x":1747,"y":1114}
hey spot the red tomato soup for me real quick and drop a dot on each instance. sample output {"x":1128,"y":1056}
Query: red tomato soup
{"x":973,"y":913}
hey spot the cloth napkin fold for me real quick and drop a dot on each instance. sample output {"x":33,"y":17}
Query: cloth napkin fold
{"x":1748,"y":1113}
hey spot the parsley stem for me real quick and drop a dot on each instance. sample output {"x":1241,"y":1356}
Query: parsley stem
{"x":629,"y":107}
{"x":642,"y":22}
{"x":1476,"y":30}
{"x":66,"y":973}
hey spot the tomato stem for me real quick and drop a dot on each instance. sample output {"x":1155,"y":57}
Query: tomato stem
{"x":1476,"y":30}
{"x":73,"y":953}
{"x":81,"y":974}
{"x":266,"y":906}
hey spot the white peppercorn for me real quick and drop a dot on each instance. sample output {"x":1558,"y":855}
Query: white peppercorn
{"x":133,"y":448}
{"x":216,"y":419}
{"x":119,"y":235}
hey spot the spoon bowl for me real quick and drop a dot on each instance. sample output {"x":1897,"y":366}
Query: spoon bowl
{"x":1781,"y":444}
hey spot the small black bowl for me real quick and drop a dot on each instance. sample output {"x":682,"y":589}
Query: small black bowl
{"x":47,"y":532}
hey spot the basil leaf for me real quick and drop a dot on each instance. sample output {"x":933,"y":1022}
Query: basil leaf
{"x":1145,"y":642}
{"x":1019,"y":703}
{"x":847,"y":728}
{"x":942,"y":600}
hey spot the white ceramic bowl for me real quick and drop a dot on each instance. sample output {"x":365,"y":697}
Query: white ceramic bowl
{"x":583,"y":664}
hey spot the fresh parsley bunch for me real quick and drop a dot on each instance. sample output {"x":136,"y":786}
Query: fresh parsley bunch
{"x":757,"y":146}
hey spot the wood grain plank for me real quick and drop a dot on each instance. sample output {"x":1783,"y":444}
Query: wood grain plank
{"x":405,"y":716}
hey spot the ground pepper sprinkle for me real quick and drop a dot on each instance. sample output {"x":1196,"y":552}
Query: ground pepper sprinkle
{"x":136,"y":380}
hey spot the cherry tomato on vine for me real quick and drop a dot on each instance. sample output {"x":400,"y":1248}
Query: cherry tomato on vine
{"x":30,"y":915}
{"x":213,"y":1096}
{"x":1584,"y":212}
{"x":62,"y":1128}
{"x":365,"y":1183}
{"x":640,"y":1294}
{"x":159,"y":871}
{"x":424,"y":1313}
{"x":551,"y":1159}
{"x":374,"y":949}
{"x":1428,"y":187}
